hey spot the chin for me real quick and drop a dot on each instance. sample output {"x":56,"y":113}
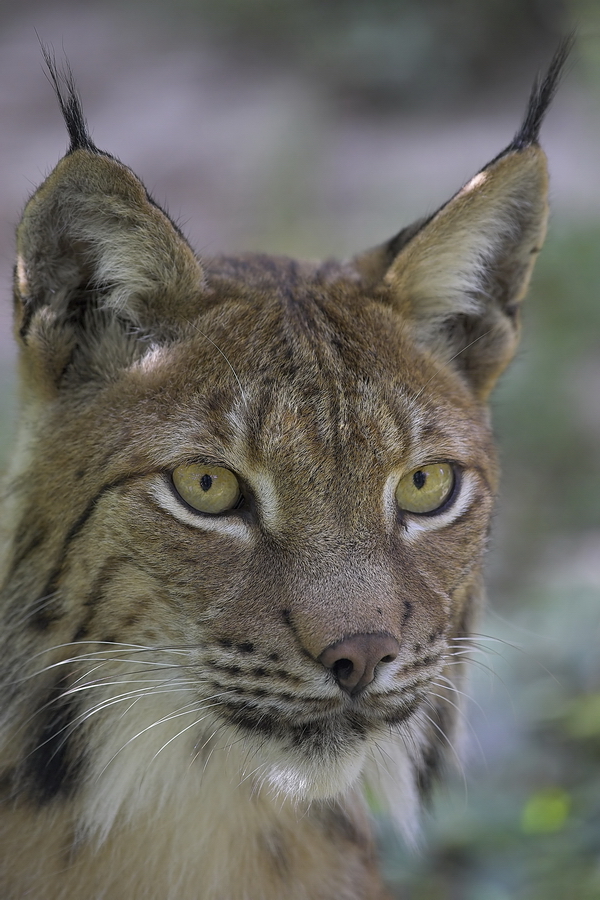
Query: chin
{"x":304,"y":774}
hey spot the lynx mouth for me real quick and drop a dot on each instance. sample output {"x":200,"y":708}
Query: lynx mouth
{"x":319,"y":735}
{"x":313,"y":760}
{"x":317,"y":759}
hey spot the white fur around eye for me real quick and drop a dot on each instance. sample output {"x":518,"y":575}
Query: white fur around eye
{"x":166,"y":499}
{"x":466,"y":493}
{"x":414,"y":524}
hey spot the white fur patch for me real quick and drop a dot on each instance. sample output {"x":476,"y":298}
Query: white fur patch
{"x":415,"y":525}
{"x":152,"y":359}
{"x":266,"y":494}
{"x":390,"y":778}
{"x":223,"y":524}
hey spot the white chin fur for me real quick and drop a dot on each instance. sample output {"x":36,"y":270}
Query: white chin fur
{"x":298,"y":778}
{"x":143,"y":767}
{"x":384,"y":766}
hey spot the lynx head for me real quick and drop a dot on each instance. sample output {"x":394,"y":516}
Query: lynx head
{"x":267,"y":483}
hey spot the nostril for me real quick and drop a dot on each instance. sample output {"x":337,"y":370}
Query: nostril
{"x":353,"y":661}
{"x":343,"y":669}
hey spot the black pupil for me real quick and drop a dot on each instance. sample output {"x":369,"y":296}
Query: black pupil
{"x":419,"y":479}
{"x":206,"y":482}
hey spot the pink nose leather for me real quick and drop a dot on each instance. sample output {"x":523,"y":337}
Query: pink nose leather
{"x":354,"y":660}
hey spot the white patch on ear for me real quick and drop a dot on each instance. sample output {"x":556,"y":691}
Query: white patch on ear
{"x":475,"y":182}
{"x":22,"y":280}
{"x":152,"y":359}
{"x":223,"y":524}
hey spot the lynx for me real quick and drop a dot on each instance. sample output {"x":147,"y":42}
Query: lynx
{"x":244,"y":521}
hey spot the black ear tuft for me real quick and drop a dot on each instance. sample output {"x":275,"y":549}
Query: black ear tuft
{"x":63,"y":83}
{"x":541,"y":96}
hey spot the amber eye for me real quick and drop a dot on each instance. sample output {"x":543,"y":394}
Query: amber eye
{"x":425,"y":489}
{"x":209,"y":489}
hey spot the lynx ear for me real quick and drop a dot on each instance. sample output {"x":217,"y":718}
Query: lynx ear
{"x":460,"y":276}
{"x":96,"y":256}
{"x":92,"y":227}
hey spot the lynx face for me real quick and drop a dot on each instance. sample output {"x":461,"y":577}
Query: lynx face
{"x":251,"y":496}
{"x":314,"y":610}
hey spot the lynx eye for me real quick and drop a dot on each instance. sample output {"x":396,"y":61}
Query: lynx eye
{"x":208,"y":489}
{"x":426,"y":489}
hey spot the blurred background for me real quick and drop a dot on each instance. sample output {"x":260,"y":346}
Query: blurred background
{"x":321,"y":127}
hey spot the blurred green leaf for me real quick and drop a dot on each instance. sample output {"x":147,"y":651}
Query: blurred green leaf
{"x":582,"y":717}
{"x":546,"y":811}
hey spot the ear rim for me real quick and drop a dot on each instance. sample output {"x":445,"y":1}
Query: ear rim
{"x":508,"y":205}
{"x":374,"y":263}
{"x":460,"y":281}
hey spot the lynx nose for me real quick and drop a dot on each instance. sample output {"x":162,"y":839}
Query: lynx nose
{"x":354,"y":659}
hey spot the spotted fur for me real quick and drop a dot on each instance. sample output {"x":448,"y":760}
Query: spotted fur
{"x":169,"y":729}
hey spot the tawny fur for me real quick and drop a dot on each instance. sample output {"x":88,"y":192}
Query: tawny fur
{"x":170,"y":727}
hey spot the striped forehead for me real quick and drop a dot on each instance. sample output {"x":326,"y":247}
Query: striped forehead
{"x":328,"y":421}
